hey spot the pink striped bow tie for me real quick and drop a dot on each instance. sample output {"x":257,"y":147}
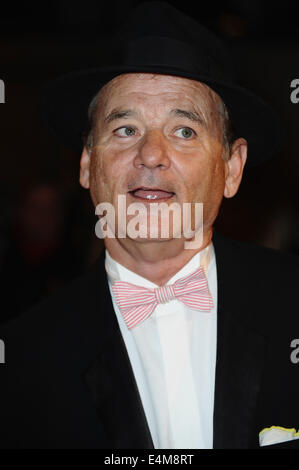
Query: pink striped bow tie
{"x":138,"y":303}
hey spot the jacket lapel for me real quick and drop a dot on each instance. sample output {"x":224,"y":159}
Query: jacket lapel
{"x":240,"y":352}
{"x":109,"y":375}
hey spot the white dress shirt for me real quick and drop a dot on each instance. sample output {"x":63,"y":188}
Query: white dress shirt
{"x":173,"y":357}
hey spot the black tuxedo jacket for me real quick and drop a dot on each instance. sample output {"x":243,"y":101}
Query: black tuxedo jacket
{"x":67,"y":381}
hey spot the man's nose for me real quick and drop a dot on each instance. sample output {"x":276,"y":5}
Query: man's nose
{"x":153,"y":151}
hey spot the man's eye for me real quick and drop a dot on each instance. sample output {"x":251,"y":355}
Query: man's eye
{"x":185,"y":132}
{"x":125,"y":131}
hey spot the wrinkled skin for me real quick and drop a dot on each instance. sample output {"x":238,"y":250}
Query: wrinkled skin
{"x":156,"y":148}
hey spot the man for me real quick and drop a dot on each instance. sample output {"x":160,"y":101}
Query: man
{"x":162,"y":344}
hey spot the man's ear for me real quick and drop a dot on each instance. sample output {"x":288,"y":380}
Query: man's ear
{"x":84,"y":168}
{"x":234,"y":167}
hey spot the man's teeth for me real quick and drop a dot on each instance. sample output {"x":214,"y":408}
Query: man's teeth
{"x":152,"y":194}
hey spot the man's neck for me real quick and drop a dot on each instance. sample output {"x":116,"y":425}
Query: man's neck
{"x":156,"y":261}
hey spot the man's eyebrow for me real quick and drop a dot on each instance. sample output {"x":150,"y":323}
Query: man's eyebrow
{"x":192,"y":115}
{"x":119,"y":114}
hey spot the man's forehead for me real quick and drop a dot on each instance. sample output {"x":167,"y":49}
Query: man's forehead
{"x":145,"y":86}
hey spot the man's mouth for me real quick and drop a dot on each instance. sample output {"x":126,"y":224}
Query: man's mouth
{"x":151,"y":194}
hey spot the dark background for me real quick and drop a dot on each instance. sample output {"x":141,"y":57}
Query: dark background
{"x":47,"y":220}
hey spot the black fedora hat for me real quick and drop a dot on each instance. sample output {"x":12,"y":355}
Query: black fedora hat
{"x":158,"y":38}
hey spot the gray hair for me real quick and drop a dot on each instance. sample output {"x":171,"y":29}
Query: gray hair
{"x":91,"y":113}
{"x":228,"y":132}
{"x":226,"y":121}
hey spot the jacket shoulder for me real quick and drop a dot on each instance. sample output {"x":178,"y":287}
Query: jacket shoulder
{"x":258,"y":259}
{"x":59,"y":319}
{"x":259,"y":284}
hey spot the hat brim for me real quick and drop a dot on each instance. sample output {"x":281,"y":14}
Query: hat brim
{"x":64,"y":102}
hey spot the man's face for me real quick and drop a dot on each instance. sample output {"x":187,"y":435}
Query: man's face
{"x":157,"y":138}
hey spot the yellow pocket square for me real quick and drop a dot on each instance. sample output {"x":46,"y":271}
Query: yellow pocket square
{"x":276,"y":435}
